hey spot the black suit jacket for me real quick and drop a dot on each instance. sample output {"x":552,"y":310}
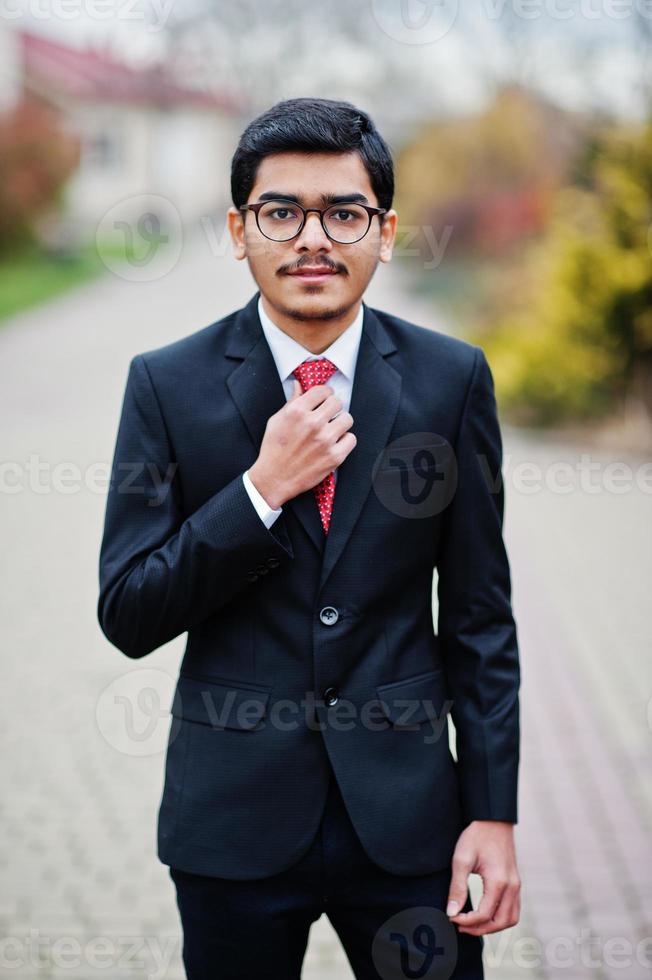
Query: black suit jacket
{"x":306,"y":651}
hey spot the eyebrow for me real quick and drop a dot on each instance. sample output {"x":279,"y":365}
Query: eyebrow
{"x":354,"y":197}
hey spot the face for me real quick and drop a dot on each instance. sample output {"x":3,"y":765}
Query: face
{"x":312,"y":277}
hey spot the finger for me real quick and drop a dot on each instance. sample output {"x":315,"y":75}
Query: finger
{"x":485,"y":930}
{"x":506,"y":914}
{"x":317,"y":394}
{"x":489,"y":903}
{"x":459,"y":886}
{"x":329,"y":409}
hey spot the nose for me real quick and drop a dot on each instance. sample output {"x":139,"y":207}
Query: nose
{"x":312,"y":236}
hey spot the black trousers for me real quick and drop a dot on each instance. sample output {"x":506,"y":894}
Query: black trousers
{"x":390,"y":926}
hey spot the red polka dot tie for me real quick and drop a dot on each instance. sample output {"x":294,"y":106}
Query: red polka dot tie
{"x":311,"y":373}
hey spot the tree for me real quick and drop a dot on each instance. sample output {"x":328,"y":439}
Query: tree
{"x":580,"y":342}
{"x":36,"y":158}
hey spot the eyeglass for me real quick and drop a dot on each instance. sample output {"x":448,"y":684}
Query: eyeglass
{"x":282,"y":220}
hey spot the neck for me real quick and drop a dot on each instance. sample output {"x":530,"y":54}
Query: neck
{"x":316,"y":334}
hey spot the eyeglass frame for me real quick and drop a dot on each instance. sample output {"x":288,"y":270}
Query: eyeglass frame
{"x":371,"y":211}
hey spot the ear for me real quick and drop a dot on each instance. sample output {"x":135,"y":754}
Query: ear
{"x":387,"y":235}
{"x":235,"y":220}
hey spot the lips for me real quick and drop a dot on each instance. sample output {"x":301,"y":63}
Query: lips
{"x":310,"y":273}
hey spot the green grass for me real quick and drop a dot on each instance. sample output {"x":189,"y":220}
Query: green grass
{"x":30,"y":276}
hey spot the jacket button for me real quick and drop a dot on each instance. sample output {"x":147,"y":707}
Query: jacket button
{"x":331,"y":696}
{"x":329,"y":615}
{"x":251,"y":576}
{"x":273,"y":562}
{"x":262,"y":569}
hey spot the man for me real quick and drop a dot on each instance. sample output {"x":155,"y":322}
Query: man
{"x":296,"y":471}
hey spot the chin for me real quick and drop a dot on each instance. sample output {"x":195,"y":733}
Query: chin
{"x":327,"y":310}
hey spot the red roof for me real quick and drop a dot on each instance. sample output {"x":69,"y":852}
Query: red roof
{"x":94,"y":76}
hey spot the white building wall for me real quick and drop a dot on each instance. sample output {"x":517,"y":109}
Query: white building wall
{"x":190,"y":158}
{"x":127,"y":151}
{"x":11,"y":69}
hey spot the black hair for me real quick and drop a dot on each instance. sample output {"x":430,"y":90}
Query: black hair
{"x":312,"y":126}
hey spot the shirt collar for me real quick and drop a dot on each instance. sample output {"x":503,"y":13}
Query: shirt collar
{"x":288,"y":353}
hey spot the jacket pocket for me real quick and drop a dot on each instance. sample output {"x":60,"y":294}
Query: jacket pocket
{"x":220,"y":703}
{"x":409,"y":702}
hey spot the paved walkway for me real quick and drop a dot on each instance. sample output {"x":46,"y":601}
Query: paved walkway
{"x":77,"y":826}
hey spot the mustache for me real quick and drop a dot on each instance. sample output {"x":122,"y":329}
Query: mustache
{"x":329,"y":264}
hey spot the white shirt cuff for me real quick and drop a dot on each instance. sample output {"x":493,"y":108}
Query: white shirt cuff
{"x":266,"y":513}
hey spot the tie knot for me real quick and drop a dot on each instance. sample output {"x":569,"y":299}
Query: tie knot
{"x":316,"y":372}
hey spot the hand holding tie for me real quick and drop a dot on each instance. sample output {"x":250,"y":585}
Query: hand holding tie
{"x":304,"y":442}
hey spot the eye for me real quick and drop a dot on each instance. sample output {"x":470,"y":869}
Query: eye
{"x":282,"y":213}
{"x":350,"y":214}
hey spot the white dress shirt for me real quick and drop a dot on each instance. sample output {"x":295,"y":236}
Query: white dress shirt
{"x":288,"y":354}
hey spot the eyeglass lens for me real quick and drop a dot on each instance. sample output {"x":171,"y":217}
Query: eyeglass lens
{"x":281,"y":220}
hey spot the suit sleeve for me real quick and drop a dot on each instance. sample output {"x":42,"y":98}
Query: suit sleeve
{"x":476,"y":625}
{"x":160,"y":574}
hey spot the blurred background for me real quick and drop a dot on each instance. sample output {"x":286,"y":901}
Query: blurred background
{"x":522,"y":139}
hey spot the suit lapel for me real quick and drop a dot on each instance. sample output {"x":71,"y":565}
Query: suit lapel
{"x":374,"y":404}
{"x":257,"y":391}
